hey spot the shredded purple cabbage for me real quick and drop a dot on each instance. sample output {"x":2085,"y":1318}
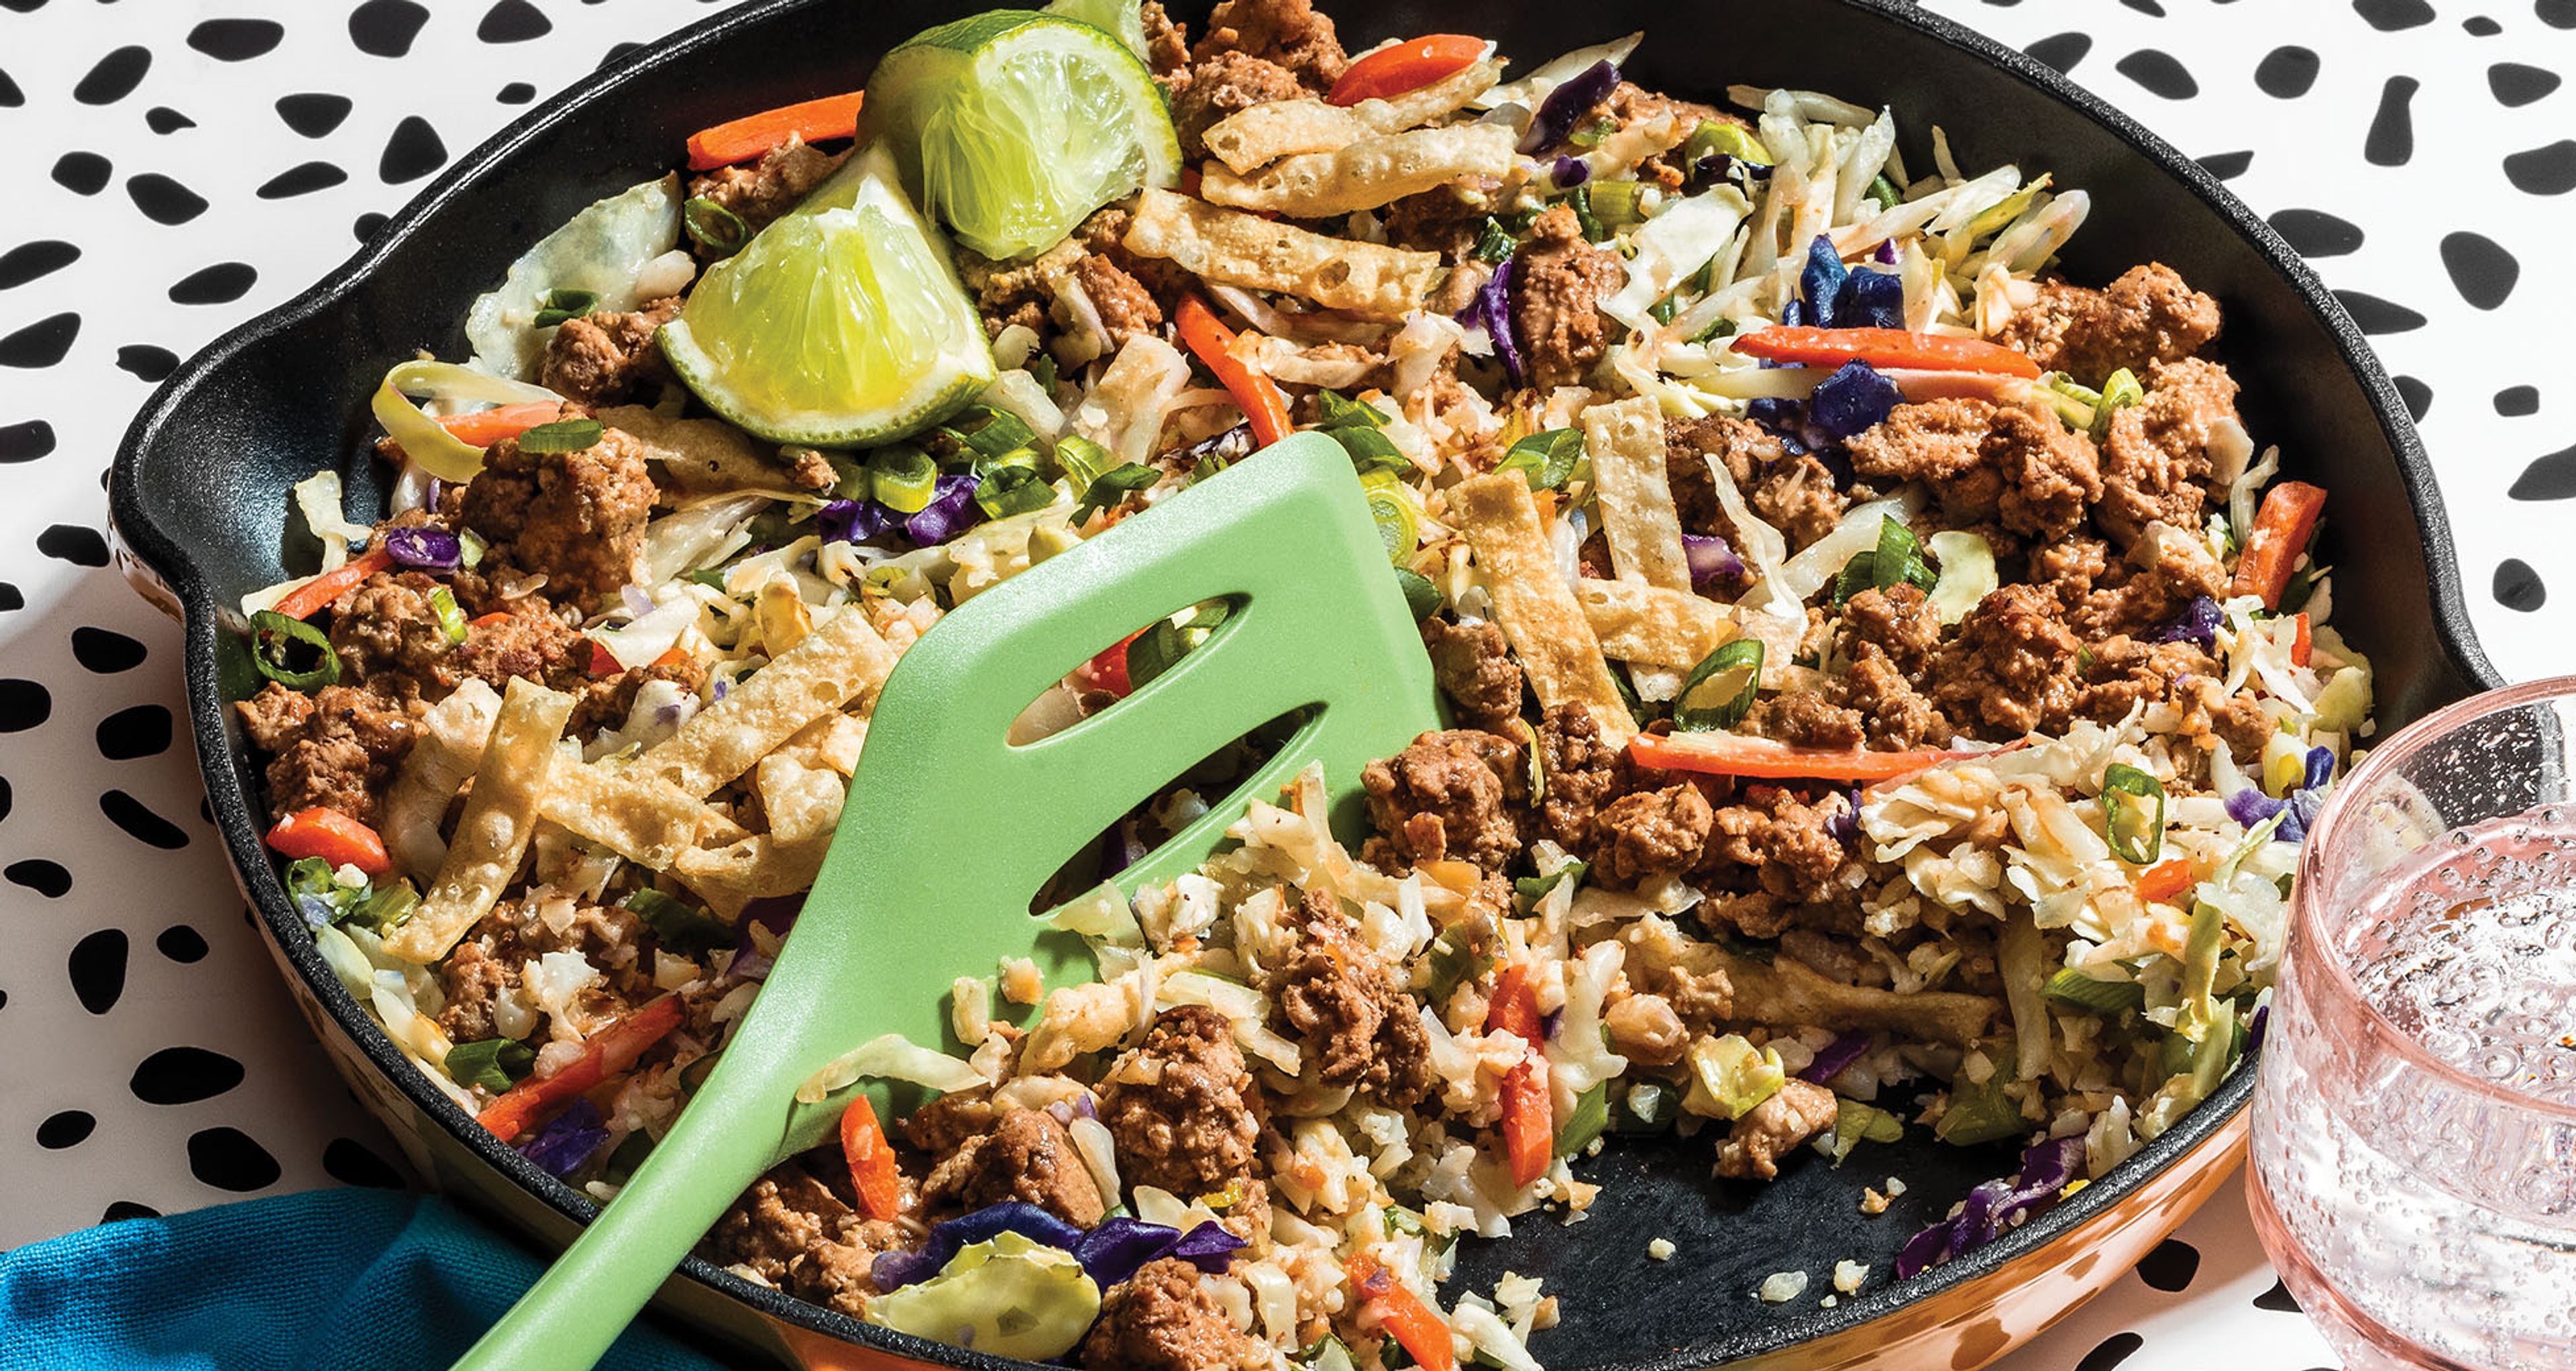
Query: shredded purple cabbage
{"x":894,"y":1270}
{"x":1886,"y":254}
{"x":1556,"y":114}
{"x":425,"y":549}
{"x":1839,"y":1053}
{"x":1231,"y":446}
{"x":1709,"y":558}
{"x":1821,"y":284}
{"x":777,"y":914}
{"x":2320,"y":767}
{"x":1717,"y":166}
{"x":568,"y":1141}
{"x":2254,"y":1027}
{"x":1870,"y":299}
{"x":1121,"y":1246}
{"x":1209,"y":1247}
{"x":1111,"y":1252}
{"x":2251,"y":806}
{"x":1569,"y":172}
{"x":2198,"y":623}
{"x":1852,"y":400}
{"x":1548,"y":1022}
{"x":952,"y":510}
{"x":1491,"y":310}
{"x":1993,"y":1208}
{"x":852,"y":521}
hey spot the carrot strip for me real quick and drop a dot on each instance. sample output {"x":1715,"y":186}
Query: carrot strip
{"x":833,"y":116}
{"x":484,"y":427}
{"x":332,"y":836}
{"x":1417,"y":1327}
{"x":1883,"y":347}
{"x":306,"y":600}
{"x":871,"y":1159}
{"x":2165,"y":880}
{"x":610,"y":1050}
{"x":2302,"y":643}
{"x":1731,"y":754}
{"x":1260,"y":398}
{"x":2281,"y":531}
{"x":1529,"y":1111}
{"x":1400,"y":67}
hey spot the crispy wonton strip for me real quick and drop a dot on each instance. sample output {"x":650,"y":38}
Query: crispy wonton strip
{"x":1538,"y":614}
{"x":1785,"y":990}
{"x":841,"y":660}
{"x":449,"y":744}
{"x":492,"y":835}
{"x":642,"y":818}
{"x":1284,"y":128}
{"x":1626,"y":443}
{"x":1639,"y":623}
{"x":803,"y":802}
{"x":757,"y":867}
{"x":1365,"y":174}
{"x":1238,"y":249}
{"x":700,"y":456}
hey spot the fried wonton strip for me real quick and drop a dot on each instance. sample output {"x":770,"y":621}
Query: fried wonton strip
{"x":1626,"y":443}
{"x":1653,"y":626}
{"x":444,"y":753}
{"x":1365,"y":174}
{"x":1538,"y":613}
{"x":757,"y":867}
{"x":492,"y":834}
{"x":644,"y":819}
{"x":1239,"y":249}
{"x":803,"y":802}
{"x":701,"y":456}
{"x":842,"y":659}
{"x":1787,"y":991}
{"x":1285,"y":128}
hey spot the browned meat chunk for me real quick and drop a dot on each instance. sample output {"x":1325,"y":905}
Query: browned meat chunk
{"x":1557,"y":287}
{"x":1651,"y":834}
{"x":1784,"y":841}
{"x":2010,"y":668}
{"x":1644,"y":1027}
{"x":1798,"y":497}
{"x":1220,"y":84}
{"x":1126,"y":309}
{"x":1027,"y":1156}
{"x":1183,"y":1108}
{"x":1345,"y":1004}
{"x":1448,"y":795}
{"x":2155,"y":464}
{"x":2050,"y":472}
{"x":2123,"y":673}
{"x":770,"y":187}
{"x":1898,"y":715}
{"x":336,"y":748}
{"x":599,"y":359}
{"x":1898,"y":621}
{"x":1162,"y":1320}
{"x":2104,"y":594}
{"x":1754,"y":1147}
{"x":1475,"y":670}
{"x":388,"y":635}
{"x":801,"y":1235}
{"x":531,"y":643}
{"x":1444,"y":219}
{"x":2017,"y":466}
{"x":605,"y":704}
{"x":1167,"y":41}
{"x":1807,"y":718}
{"x":1583,"y":774}
{"x":1293,"y":34}
{"x":577,"y":518}
{"x":2147,"y":315}
{"x":489,"y":961}
{"x":1630,"y":105}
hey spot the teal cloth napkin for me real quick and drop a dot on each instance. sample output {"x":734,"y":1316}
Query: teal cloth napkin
{"x":332,"y":1280}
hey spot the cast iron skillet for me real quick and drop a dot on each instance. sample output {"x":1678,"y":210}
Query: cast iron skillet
{"x":200,"y":488}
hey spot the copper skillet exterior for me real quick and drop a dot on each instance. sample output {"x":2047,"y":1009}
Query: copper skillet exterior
{"x":197,"y":500}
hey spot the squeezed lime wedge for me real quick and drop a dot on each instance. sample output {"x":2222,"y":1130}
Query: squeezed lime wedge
{"x":1014,"y":126}
{"x":839,"y":325}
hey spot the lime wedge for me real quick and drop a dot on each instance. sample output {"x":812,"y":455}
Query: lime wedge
{"x":1125,"y":18}
{"x":839,"y":325}
{"x":1014,"y":126}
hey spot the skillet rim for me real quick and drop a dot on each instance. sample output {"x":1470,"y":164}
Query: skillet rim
{"x":200,"y":618}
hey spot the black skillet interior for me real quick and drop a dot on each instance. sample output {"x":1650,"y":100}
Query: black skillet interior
{"x":200,"y":491}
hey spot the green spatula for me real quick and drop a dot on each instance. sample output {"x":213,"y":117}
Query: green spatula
{"x":950,"y":830}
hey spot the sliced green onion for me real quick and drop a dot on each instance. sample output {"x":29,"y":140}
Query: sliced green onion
{"x":1457,"y":956}
{"x":1728,"y":138}
{"x":451,"y":615}
{"x":1590,"y":135}
{"x":1581,"y":203}
{"x":1719,"y":691}
{"x":2078,"y":406}
{"x":563,"y":435}
{"x":564,"y":305}
{"x":1996,"y":219}
{"x":1009,"y":490}
{"x":276,"y":644}
{"x":495,"y":1064}
{"x":1980,"y":1113}
{"x":1856,"y":1123}
{"x":1899,"y":558}
{"x":1532,"y":889}
{"x":683,"y":930}
{"x":2200,"y":953}
{"x":1857,"y":575}
{"x":902,"y":478}
{"x":1546,"y":459}
{"x":991,"y":432}
{"x":1042,"y":367}
{"x":1591,"y":1115}
{"x":629,"y":1155}
{"x":1114,"y":485}
{"x":1392,"y":507}
{"x":713,"y":227}
{"x":1494,"y":243}
{"x":1730,"y":1077}
{"x":1884,"y":192}
{"x":1723,"y":328}
{"x":1161,"y":647}
{"x":442,"y":454}
{"x":2136,"y":833}
{"x":2086,"y":992}
{"x":1370,"y":450}
{"x":1664,"y":309}
{"x":386,"y":907}
{"x":2119,"y":392}
{"x":1618,"y":204}
{"x":1420,"y":596}
{"x":1340,"y":411}
{"x":1326,"y":1353}
{"x":317,"y":893}
{"x":1645,"y":1107}
{"x":1083,"y":460}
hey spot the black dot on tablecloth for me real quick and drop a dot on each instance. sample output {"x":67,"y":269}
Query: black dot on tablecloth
{"x":2062,"y":50}
{"x":184,"y":1075}
{"x":22,"y":6}
{"x":2112,"y":1351}
{"x":2558,"y":14}
{"x":2481,"y":270}
{"x":2552,"y":477}
{"x":516,"y":93}
{"x":98,"y":969}
{"x":146,"y":362}
{"x":162,"y":200}
{"x":618,"y":50}
{"x":10,"y":96}
{"x":2513,"y":402}
{"x":366,"y":225}
{"x":2480,"y":26}
{"x":27,"y":261}
{"x":2227,"y":165}
{"x":43,"y":877}
{"x":385,"y":28}
{"x":114,"y":77}
{"x":2375,"y":315}
{"x":2285,"y":73}
{"x":2514,"y":84}
{"x":163,"y":119}
{"x":2159,"y":73}
{"x":220,"y":284}
{"x":6,"y":799}
{"x":2170,"y":1266}
{"x":82,"y":173}
{"x":140,"y":823}
{"x":74,"y":543}
{"x":2547,"y":170}
{"x":313,"y":114}
{"x":350,"y":1162}
{"x":2516,"y":586}
{"x":2315,"y":233}
{"x":128,"y":1209}
{"x":236,"y":40}
{"x":413,"y":152}
{"x":2391,"y":140}
{"x":2278,"y":1300}
{"x":11,"y":598}
{"x":2389,"y":16}
{"x":70,"y":1128}
{"x":182,"y":944}
{"x":25,"y":442}
{"x":301,"y":179}
{"x":227,"y":1159}
{"x":143,"y":731}
{"x":23,"y":705}
{"x":513,"y":21}
{"x":42,"y":343}
{"x":105,"y":651}
{"x":2417,"y":395}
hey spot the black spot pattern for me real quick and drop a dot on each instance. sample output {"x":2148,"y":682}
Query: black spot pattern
{"x":2547,"y":170}
{"x":516,"y":93}
{"x":2063,"y":50}
{"x":2112,"y":1351}
{"x":27,"y":261}
{"x":2550,"y":477}
{"x":228,"y":1159}
{"x":181,"y":944}
{"x":220,"y":284}
{"x":2227,"y":166}
{"x":2417,"y":395}
{"x":184,"y":1075}
{"x":349,"y":1162}
{"x":2480,"y":26}
{"x":140,"y":823}
{"x":2557,"y":14}
{"x":2481,"y":270}
{"x":2278,"y":1299}
{"x":2515,"y":85}
{"x":142,"y":731}
{"x":513,"y":21}
{"x":385,"y":28}
{"x":301,"y":179}
{"x":313,"y":114}
{"x":2391,"y":141}
{"x":2146,"y":7}
{"x":25,"y":442}
{"x":82,"y":173}
{"x":2160,"y":73}
{"x":23,"y":705}
{"x":42,"y":343}
{"x":2315,"y":233}
{"x":2170,"y":1266}
{"x":43,"y":877}
{"x":10,"y":96}
{"x":104,"y":650}
{"x":2516,"y":586}
{"x":2513,"y":402}
{"x":165,"y":120}
{"x":2389,"y":16}
{"x":2286,"y":73}
{"x":411,"y":153}
{"x":11,"y":598}
{"x":73,"y":543}
{"x":128,"y":1209}
{"x":236,"y":40}
{"x":70,"y":1128}
{"x":146,"y":362}
{"x":115,"y":76}
{"x":98,"y":969}
{"x":2376,"y":315}
{"x":366,"y":225}
{"x":162,"y":200}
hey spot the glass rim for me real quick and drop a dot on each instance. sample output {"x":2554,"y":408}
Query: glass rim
{"x":2306,"y":915}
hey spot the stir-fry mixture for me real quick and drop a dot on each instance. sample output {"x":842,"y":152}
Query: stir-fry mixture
{"x":1890,"y":691}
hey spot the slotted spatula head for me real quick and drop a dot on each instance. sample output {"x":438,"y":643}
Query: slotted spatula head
{"x":950,"y":830}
